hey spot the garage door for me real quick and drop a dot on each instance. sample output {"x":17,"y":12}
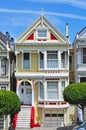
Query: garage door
{"x":53,"y":118}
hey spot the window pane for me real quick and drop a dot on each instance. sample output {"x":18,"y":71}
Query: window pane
{"x":26,"y":56}
{"x":42,"y":33}
{"x":41,"y":91}
{"x":26,"y":61}
{"x":52,"y":90}
{"x":63,"y":60}
{"x":84,"y":55}
{"x":41,"y":60}
{"x":4,"y":66}
{"x":62,"y":88}
{"x":52,"y":59}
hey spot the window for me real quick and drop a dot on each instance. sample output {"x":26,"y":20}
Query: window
{"x":84,"y":55}
{"x":26,"y":61}
{"x":41,"y":60}
{"x":52,"y":59}
{"x":71,"y":62}
{"x":63,"y":60}
{"x":41,"y":90}
{"x":4,"y":66}
{"x":3,"y":88}
{"x":52,"y":90}
{"x":62,"y":88}
{"x":42,"y":33}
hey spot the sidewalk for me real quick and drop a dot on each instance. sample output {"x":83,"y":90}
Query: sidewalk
{"x":39,"y":128}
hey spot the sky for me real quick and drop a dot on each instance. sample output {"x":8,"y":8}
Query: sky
{"x":17,"y":15}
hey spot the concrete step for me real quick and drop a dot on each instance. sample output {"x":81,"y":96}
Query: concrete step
{"x":23,"y":120}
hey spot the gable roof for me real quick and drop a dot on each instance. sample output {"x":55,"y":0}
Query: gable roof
{"x":3,"y":41}
{"x":4,"y":38}
{"x":41,"y":20}
{"x":82,"y":33}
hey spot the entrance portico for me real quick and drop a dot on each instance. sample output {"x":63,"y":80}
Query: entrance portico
{"x":25,"y":92}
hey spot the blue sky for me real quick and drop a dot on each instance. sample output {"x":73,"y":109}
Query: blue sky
{"x":17,"y":15}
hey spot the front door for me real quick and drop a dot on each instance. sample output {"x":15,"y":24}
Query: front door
{"x":25,"y":93}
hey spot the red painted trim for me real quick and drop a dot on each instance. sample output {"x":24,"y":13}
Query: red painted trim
{"x":52,"y":37}
{"x":52,"y":103}
{"x":31,"y":37}
{"x":42,"y":103}
{"x":15,"y":120}
{"x":62,"y":103}
{"x":32,"y":120}
{"x":42,"y":39}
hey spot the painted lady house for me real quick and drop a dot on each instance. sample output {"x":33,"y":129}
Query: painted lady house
{"x":42,"y":72}
{"x":7,"y":60}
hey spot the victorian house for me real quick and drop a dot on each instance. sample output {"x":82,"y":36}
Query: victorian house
{"x":80,"y":59}
{"x":7,"y":58}
{"x":42,"y":72}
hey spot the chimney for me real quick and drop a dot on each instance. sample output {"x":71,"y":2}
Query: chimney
{"x":67,"y":30}
{"x":8,"y":35}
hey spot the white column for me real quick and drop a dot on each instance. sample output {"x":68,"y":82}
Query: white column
{"x":45,"y":90}
{"x":45,"y":60}
{"x":59,"y":59}
{"x":59,"y":90}
{"x":78,"y":78}
{"x":33,"y":93}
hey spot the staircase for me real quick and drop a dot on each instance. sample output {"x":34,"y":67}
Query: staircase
{"x":23,"y":120}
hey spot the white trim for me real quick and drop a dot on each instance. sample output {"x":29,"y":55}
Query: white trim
{"x":41,"y":75}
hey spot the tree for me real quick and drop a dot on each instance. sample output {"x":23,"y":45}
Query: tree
{"x":76,"y":94}
{"x":9,"y":103}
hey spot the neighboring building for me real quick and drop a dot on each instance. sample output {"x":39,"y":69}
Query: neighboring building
{"x":80,"y":55}
{"x":7,"y":58}
{"x":80,"y":59}
{"x":42,"y":72}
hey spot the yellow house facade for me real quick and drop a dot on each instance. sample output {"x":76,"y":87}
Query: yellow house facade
{"x":42,"y":72}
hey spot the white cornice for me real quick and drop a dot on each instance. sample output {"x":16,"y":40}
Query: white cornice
{"x":41,"y":75}
{"x":43,"y":43}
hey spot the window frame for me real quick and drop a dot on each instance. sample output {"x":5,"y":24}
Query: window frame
{"x":40,"y":91}
{"x":84,"y":56}
{"x":41,"y":68}
{"x":41,"y":37}
{"x":50,"y":99}
{"x":62,"y":89}
{"x":27,"y":60}
{"x":52,"y":59}
{"x":4,"y":66}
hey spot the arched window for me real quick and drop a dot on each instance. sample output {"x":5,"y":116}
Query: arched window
{"x":41,"y":90}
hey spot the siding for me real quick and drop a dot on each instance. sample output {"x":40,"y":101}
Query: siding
{"x":34,"y":62}
{"x":79,"y":57}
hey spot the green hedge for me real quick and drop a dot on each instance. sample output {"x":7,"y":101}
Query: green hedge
{"x":9,"y":103}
